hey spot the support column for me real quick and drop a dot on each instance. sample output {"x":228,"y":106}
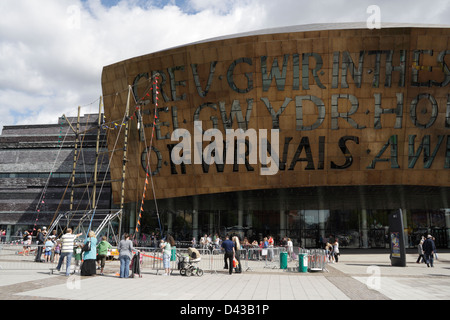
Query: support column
{"x":131,"y":208}
{"x":322,"y":214}
{"x":8,"y":233}
{"x":447,"y":226}
{"x":211,"y":224}
{"x":249,"y":220}
{"x":169,"y":222}
{"x":364,"y":230}
{"x":405,"y":227}
{"x":283,"y":225}
{"x":240,"y":213}
{"x":195,"y":217}
{"x":170,"y":216}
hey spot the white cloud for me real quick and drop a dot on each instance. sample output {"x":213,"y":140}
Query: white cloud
{"x":52,"y":51}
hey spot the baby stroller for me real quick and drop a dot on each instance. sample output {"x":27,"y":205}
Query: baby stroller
{"x":188,"y":264}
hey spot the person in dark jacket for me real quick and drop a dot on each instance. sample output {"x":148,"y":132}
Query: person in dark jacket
{"x":40,"y":243}
{"x":228,"y":247}
{"x":429,"y":248}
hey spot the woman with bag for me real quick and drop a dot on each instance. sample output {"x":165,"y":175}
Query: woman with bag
{"x":125,"y":249}
{"x":237,"y":248}
{"x":167,"y":253}
{"x":88,"y":268}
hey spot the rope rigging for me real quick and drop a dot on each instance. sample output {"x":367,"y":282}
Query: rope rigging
{"x":109,"y":127}
{"x":148,"y":166}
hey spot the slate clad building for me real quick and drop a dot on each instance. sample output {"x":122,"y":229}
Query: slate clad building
{"x":356,"y":121}
{"x":36,"y":164}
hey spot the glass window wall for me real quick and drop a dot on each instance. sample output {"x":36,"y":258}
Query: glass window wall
{"x":311,"y":228}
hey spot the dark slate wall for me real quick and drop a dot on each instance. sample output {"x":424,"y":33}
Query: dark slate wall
{"x":29,"y":153}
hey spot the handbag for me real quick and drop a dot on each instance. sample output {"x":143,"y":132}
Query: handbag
{"x":235,"y":263}
{"x":87,"y":246}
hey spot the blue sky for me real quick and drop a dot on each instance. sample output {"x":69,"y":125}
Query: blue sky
{"x":52,"y":52}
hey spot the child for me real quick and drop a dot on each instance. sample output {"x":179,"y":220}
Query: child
{"x":57,"y":251}
{"x":48,"y":250}
{"x":102,"y":253}
{"x":77,"y":252}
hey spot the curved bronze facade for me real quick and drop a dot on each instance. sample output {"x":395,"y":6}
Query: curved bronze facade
{"x":354,"y":107}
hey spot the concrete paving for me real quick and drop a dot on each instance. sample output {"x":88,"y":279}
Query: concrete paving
{"x":358,"y":276}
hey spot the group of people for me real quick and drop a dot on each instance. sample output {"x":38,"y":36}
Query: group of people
{"x":231,"y":256}
{"x":332,"y":251}
{"x":427,"y":251}
{"x":47,"y":245}
{"x":208,"y":242}
{"x":93,"y":253}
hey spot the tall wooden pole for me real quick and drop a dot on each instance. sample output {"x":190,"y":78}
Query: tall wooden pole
{"x":75,"y":158}
{"x":125,"y":160}
{"x":99,"y":127}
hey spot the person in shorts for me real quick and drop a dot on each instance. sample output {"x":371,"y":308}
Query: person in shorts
{"x":48,"y":250}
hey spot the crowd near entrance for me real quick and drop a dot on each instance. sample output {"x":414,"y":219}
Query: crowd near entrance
{"x":305,"y":228}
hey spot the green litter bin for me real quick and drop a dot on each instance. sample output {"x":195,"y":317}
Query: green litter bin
{"x":283,"y":260}
{"x":302,"y":262}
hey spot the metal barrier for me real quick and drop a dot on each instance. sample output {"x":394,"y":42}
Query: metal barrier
{"x":13,"y":257}
{"x":23,"y":257}
{"x":317,"y":260}
{"x":152,"y":259}
{"x":251,"y":259}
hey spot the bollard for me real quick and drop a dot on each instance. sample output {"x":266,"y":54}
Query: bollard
{"x":283,"y":260}
{"x":302,"y":262}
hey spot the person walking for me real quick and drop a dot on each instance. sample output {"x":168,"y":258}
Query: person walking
{"x":329,"y":252}
{"x":102,"y":252}
{"x":228,"y":247}
{"x":89,"y":256}
{"x":67,"y":241}
{"x":336,"y":252}
{"x":167,"y":253}
{"x":237,"y":248}
{"x":435,"y":250}
{"x":125,"y":249}
{"x":420,"y":251}
{"x":290,"y":247}
{"x":429,"y":248}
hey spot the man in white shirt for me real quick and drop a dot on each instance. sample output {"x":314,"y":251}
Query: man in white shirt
{"x":67,"y":243}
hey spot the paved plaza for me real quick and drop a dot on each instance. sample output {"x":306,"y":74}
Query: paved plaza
{"x":366,"y":275}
